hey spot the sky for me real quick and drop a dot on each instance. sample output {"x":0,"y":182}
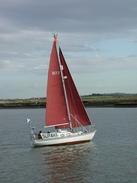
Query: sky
{"x":98,"y":39}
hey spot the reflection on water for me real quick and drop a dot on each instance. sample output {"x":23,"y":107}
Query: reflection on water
{"x":66,"y":163}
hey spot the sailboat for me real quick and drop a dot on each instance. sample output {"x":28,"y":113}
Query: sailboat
{"x":66,"y":120}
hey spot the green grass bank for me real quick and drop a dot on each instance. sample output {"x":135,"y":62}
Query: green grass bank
{"x":94,"y":100}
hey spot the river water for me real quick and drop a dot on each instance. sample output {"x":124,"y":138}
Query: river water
{"x":110,"y":158}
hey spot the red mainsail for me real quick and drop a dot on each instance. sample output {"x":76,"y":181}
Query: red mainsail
{"x":63,"y":107}
{"x":56,"y":112}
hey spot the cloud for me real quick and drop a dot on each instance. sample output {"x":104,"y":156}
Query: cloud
{"x":10,"y":65}
{"x":71,"y":16}
{"x":84,"y":28}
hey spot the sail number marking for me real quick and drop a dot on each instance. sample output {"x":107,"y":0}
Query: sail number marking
{"x":54,"y":73}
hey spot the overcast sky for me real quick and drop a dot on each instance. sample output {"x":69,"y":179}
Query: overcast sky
{"x":98,"y":39}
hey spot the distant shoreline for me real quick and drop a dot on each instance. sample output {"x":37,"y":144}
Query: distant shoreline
{"x":95,"y":100}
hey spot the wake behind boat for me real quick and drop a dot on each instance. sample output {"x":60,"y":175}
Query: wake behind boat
{"x":66,"y":117}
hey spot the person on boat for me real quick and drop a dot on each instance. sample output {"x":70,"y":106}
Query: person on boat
{"x":39,"y":135}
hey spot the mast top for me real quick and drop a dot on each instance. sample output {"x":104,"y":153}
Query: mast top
{"x":55,"y":37}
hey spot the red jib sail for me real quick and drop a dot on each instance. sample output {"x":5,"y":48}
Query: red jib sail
{"x":57,"y":111}
{"x":77,"y":111}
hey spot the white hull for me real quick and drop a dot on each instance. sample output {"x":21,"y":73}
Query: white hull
{"x":64,"y":138}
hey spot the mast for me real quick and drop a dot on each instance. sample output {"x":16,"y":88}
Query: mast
{"x":62,"y":78}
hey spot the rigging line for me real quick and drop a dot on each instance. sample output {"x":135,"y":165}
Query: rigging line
{"x":79,"y":122}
